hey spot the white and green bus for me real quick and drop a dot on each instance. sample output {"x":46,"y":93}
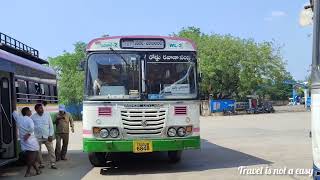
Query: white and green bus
{"x":141,"y":96}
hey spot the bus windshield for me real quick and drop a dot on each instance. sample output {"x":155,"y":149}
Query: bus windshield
{"x":113,"y":76}
{"x":163,"y":75}
{"x":171,"y":75}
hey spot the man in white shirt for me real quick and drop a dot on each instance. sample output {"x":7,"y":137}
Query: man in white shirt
{"x":44,"y":132}
{"x":28,"y":141}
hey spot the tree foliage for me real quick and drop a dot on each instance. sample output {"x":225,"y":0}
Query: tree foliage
{"x":70,"y":79}
{"x":234,"y":68}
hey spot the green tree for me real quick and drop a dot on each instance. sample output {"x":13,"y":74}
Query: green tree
{"x":70,"y":80}
{"x":233,"y":67}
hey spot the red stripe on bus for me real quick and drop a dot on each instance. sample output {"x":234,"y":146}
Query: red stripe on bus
{"x":85,"y":131}
{"x":196,"y":129}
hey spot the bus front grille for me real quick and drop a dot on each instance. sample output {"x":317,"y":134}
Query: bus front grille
{"x":141,"y":122}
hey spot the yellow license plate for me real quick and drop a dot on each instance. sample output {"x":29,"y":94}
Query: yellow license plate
{"x":142,"y":146}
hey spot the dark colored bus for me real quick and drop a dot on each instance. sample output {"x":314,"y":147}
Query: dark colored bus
{"x":25,"y":79}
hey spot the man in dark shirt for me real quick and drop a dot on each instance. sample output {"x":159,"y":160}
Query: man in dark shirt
{"x":63,"y":120}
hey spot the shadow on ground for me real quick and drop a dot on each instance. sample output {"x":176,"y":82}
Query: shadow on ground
{"x":211,"y":156}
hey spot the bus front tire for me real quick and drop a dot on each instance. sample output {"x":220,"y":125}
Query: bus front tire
{"x":98,"y":159}
{"x":174,"y":156}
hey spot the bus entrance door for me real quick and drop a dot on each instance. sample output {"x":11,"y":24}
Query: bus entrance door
{"x":7,"y":142}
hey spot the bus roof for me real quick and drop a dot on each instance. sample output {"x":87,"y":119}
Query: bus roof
{"x":16,"y":47}
{"x":14,"y":59}
{"x":141,"y":43}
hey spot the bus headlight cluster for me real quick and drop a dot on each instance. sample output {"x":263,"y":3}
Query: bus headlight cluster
{"x":172,"y":132}
{"x":114,"y":133}
{"x":106,"y":132}
{"x":179,"y":131}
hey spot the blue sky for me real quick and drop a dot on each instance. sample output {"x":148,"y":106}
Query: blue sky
{"x":54,"y":26}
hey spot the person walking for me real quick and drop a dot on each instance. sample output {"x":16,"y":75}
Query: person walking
{"x":28,"y":141}
{"x":44,"y":132}
{"x":63,"y":121}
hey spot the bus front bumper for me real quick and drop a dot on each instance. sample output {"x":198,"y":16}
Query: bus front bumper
{"x":169,"y":144}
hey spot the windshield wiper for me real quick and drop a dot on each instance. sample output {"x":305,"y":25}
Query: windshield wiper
{"x":116,"y":53}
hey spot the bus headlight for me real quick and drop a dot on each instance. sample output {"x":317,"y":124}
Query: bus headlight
{"x":104,"y":133}
{"x":181,"y":132}
{"x":114,"y":133}
{"x":172,"y":132}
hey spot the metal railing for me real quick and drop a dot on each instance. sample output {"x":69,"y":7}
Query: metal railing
{"x":13,"y":43}
{"x":28,"y":97}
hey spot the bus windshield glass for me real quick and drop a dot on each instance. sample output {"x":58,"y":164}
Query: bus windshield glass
{"x":113,"y":76}
{"x":171,"y":75}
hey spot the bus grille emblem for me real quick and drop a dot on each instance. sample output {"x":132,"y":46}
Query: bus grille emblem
{"x":144,"y":123}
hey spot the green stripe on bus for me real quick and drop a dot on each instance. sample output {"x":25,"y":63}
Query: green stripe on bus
{"x":168,"y":144}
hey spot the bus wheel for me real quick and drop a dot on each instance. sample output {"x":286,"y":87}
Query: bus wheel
{"x":174,"y":156}
{"x":98,"y":159}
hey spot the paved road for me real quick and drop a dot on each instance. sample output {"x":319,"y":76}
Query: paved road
{"x":270,"y":140}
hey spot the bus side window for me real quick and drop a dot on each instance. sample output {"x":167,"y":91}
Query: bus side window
{"x":46,"y":92}
{"x":34,"y":92}
{"x":51,"y":94}
{"x":39,"y":88}
{"x":55,"y":94}
{"x":16,"y":84}
{"x":21,"y":91}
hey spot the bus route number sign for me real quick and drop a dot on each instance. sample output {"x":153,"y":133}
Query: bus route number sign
{"x":142,"y":44}
{"x":142,"y":146}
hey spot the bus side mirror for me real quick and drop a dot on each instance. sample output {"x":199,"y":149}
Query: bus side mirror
{"x":81,"y":65}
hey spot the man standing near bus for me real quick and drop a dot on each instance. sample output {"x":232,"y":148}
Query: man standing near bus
{"x":28,"y":141}
{"x":44,"y":132}
{"x":63,"y":121}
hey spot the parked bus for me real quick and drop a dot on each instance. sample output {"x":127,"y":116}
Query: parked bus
{"x":25,"y":79}
{"x":141,"y":96}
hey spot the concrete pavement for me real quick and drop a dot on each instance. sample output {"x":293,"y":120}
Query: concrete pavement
{"x":275,"y":141}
